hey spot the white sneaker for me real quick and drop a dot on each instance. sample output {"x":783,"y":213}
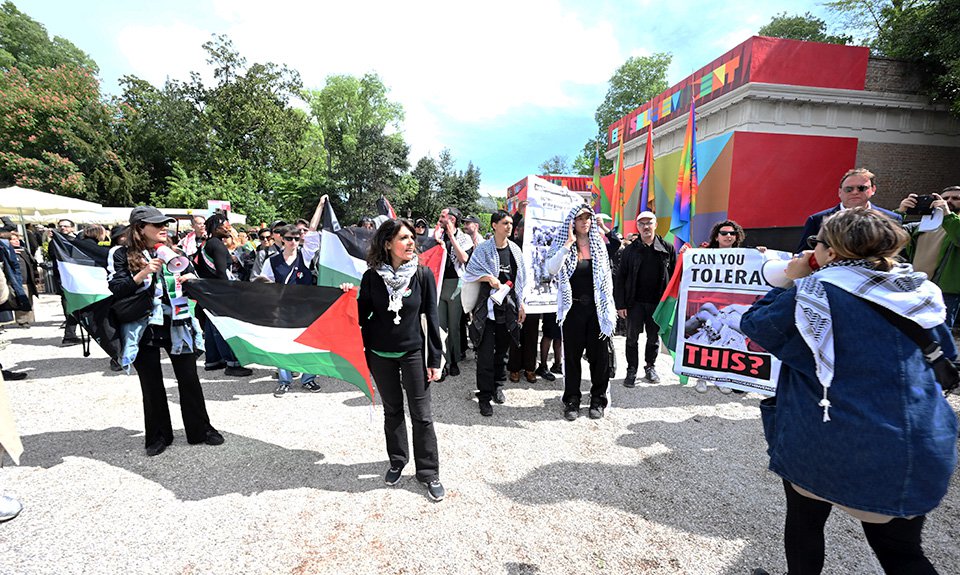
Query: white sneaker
{"x":9,"y":508}
{"x":724,"y":390}
{"x":701,"y":386}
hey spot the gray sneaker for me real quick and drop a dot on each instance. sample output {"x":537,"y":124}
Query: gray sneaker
{"x":281,"y":389}
{"x":435,"y":490}
{"x":650,"y":374}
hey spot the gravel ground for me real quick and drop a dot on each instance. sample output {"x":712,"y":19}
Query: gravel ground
{"x":670,"y":481}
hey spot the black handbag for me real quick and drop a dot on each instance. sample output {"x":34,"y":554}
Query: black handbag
{"x":945,"y":370}
{"x":133,"y":307}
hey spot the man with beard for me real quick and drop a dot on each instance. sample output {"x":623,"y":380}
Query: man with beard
{"x":936,"y":252}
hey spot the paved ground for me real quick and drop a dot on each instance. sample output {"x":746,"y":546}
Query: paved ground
{"x":670,"y":481}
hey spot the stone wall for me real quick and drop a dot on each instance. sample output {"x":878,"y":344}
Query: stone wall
{"x":886,"y":75}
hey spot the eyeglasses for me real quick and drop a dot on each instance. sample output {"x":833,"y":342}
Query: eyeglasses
{"x":850,"y":189}
{"x":726,"y":233}
{"x":645,"y":224}
{"x":812,"y":241}
{"x":291,"y":239}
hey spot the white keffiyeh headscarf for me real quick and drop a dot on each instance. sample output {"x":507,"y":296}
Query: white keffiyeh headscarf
{"x":901,"y":290}
{"x":602,"y":279}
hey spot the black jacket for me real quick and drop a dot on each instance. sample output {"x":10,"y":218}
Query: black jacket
{"x":625,"y":282}
{"x":812,"y":225}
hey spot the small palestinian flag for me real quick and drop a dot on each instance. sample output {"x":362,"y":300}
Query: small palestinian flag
{"x":83,"y":273}
{"x":666,"y":313}
{"x":296,"y":327}
{"x":384,"y":208}
{"x":343,"y":251}
{"x":433,"y":254}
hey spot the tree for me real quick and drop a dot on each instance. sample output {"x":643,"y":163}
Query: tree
{"x":439,"y":184}
{"x":638,"y":80}
{"x":366,"y":155}
{"x":923,"y":31}
{"x":555,"y":165}
{"x":24,"y":44}
{"x":57,"y":135}
{"x":808,"y":28}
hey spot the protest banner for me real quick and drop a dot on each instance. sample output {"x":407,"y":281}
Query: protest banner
{"x":548,"y":204}
{"x":717,"y":287}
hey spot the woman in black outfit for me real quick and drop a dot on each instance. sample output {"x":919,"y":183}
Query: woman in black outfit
{"x":394,"y":292}
{"x":169,"y":326}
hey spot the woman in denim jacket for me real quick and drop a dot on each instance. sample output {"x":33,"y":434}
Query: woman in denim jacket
{"x":860,"y":421}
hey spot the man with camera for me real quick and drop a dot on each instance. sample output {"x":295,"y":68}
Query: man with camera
{"x":936,"y":250}
{"x":857,"y":186}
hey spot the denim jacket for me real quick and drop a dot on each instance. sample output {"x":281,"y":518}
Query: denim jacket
{"x":891,"y":444}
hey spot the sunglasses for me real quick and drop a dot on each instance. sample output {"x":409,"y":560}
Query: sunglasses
{"x":724,"y":233}
{"x":291,"y":239}
{"x":849,"y":189}
{"x":812,"y":241}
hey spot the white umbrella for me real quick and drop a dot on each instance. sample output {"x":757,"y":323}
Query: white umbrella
{"x":17,"y":200}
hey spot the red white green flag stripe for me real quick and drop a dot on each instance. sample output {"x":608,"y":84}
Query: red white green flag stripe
{"x":82,"y":278}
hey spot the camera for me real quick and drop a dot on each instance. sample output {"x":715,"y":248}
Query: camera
{"x":923,"y":206}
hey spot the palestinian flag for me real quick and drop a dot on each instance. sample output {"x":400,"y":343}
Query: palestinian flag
{"x":666,"y":313}
{"x":296,"y":327}
{"x":384,"y":208}
{"x":343,"y":251}
{"x":433,"y":254}
{"x":83,"y":273}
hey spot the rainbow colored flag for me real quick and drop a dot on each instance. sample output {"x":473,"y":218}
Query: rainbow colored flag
{"x":599,"y":196}
{"x":618,"y":196}
{"x":648,"y":187}
{"x":685,"y":200}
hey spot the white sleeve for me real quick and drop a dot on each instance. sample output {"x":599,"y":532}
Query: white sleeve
{"x":311,"y":243}
{"x":266,"y":272}
{"x":556,"y":262}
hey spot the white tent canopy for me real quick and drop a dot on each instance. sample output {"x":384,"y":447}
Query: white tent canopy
{"x":26,"y":202}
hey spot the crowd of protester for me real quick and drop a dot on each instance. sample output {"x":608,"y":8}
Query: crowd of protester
{"x":853,"y":259}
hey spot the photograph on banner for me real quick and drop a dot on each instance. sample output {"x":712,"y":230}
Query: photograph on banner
{"x":717,"y":287}
{"x":547,"y":205}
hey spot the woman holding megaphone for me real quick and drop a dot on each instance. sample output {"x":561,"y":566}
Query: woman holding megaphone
{"x":156,"y":316}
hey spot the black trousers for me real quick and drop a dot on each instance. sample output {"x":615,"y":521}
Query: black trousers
{"x":640,"y":319}
{"x":896,"y":544}
{"x":525,"y":356}
{"x":393,"y":376}
{"x":156,"y":411}
{"x":490,"y":357}
{"x":581,"y":331}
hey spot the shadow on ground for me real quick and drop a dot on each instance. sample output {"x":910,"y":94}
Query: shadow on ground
{"x":241,"y":466}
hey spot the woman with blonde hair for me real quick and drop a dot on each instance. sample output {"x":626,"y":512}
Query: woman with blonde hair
{"x":859,"y":420}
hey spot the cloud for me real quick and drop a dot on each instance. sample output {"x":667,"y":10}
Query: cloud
{"x":157,"y":52}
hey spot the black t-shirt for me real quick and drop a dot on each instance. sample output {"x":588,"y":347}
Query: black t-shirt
{"x":581,"y":282}
{"x":508,"y":267}
{"x":649,"y":275}
{"x":450,"y":271}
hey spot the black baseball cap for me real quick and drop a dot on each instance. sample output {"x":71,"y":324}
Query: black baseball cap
{"x":277,"y":224}
{"x":471,"y":219}
{"x":149,"y":215}
{"x":455,"y":212}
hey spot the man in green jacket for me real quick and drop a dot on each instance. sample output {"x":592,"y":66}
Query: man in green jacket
{"x":936,"y":252}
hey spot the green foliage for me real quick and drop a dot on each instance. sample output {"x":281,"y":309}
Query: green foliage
{"x":57,"y":135}
{"x":923,"y":31}
{"x":808,"y":28}
{"x":439,"y":184}
{"x":635,"y":82}
{"x":24,"y":44}
{"x":554,"y":165}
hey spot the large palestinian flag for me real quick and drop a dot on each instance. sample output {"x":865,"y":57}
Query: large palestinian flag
{"x":83,"y":273}
{"x":296,"y":327}
{"x":666,"y":313}
{"x":343,"y":251}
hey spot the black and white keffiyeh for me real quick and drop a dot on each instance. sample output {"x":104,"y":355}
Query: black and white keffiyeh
{"x":901,"y":290}
{"x":397,"y":281}
{"x":602,"y":280}
{"x":486,"y":261}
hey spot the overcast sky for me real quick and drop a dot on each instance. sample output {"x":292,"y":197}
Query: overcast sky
{"x":505,"y":84}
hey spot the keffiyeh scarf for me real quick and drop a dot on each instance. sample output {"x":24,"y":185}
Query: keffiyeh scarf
{"x":397,"y":281}
{"x":901,"y":290}
{"x":602,"y":280}
{"x":486,"y":261}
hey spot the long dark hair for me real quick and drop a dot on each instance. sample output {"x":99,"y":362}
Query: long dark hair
{"x":741,"y":235}
{"x":387,"y":231}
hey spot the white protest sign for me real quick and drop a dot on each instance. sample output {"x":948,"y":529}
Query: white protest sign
{"x":548,"y":204}
{"x":717,"y":287}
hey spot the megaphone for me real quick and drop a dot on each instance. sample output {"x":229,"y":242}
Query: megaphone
{"x":175,"y":262}
{"x":774,"y":272}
